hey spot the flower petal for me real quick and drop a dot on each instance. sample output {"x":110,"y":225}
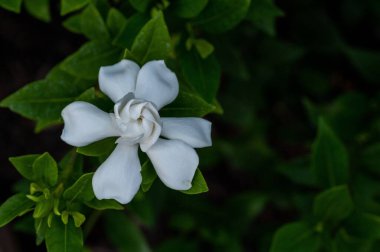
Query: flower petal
{"x":175,"y":163}
{"x":154,"y":130}
{"x":156,"y":83}
{"x":119,"y":176}
{"x":119,"y":79}
{"x":85,"y":124}
{"x":196,"y":132}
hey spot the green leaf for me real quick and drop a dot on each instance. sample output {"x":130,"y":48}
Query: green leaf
{"x":68,"y":6}
{"x":92,"y":24}
{"x":24,"y":224}
{"x":204,"y":48}
{"x":199,"y":184}
{"x":11,"y":5}
{"x":45,"y":169}
{"x":149,"y":175}
{"x":39,"y":9}
{"x":99,"y":148}
{"x":140,"y":5}
{"x":222,"y":15}
{"x":363,"y":225}
{"x":97,"y":98}
{"x":86,"y":62}
{"x":43,"y":208}
{"x":153,"y":41}
{"x":370,"y":157}
{"x":45,"y":99}
{"x":131,"y":29}
{"x":344,"y":242}
{"x":40,"y":226}
{"x":15,"y":206}
{"x":245,"y":207}
{"x":144,"y":210}
{"x":43,"y":124}
{"x":295,"y":237}
{"x":64,"y":238}
{"x":188,"y":104}
{"x":24,"y":165}
{"x":74,"y":23}
{"x":103,"y":7}
{"x":104,"y":204}
{"x":115,"y":21}
{"x":263,"y":14}
{"x":81,"y":190}
{"x":350,"y":108}
{"x":202,"y":74}
{"x":188,"y":8}
{"x":298,"y":171}
{"x":71,"y":167}
{"x":124,"y":234}
{"x":329,"y":157}
{"x":365,"y":61}
{"x":333,"y":205}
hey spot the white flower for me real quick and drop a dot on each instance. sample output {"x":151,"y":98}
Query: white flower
{"x":138,"y":95}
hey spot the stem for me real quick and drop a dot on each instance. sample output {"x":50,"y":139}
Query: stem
{"x":90,"y":223}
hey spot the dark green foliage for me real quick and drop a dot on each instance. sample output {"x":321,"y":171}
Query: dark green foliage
{"x":297,"y":237}
{"x":64,"y":238}
{"x":333,"y":205}
{"x":188,"y":8}
{"x":294,"y":101}
{"x":329,"y":157}
{"x":152,"y":42}
{"x":68,"y":6}
{"x":202,"y":74}
{"x":11,"y":5}
{"x":40,"y":9}
{"x":222,"y":15}
{"x":263,"y":14}
{"x":85,"y":63}
{"x":124,"y":234}
{"x":16,"y":205}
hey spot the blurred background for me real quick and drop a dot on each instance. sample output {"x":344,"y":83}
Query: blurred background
{"x":323,"y":58}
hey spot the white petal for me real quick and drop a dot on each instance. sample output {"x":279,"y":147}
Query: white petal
{"x":119,"y":79}
{"x":196,"y":132}
{"x":156,"y":83}
{"x":85,"y":124}
{"x":175,"y":163}
{"x":119,"y":176}
{"x":154,"y":130}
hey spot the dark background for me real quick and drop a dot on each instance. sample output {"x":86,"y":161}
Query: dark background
{"x":269,"y":97}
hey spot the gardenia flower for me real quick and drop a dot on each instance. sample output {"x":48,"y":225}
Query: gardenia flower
{"x":138,"y":94}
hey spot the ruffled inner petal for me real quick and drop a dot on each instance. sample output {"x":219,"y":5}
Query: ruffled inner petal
{"x":152,"y":132}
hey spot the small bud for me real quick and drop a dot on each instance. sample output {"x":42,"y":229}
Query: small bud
{"x":50,"y":219}
{"x":34,"y":188}
{"x":34,"y":198}
{"x":78,"y":218}
{"x":65,"y":217}
{"x":46,"y":193}
{"x":43,"y":208}
{"x":56,"y":207}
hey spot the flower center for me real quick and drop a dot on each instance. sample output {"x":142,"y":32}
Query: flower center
{"x":138,"y":121}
